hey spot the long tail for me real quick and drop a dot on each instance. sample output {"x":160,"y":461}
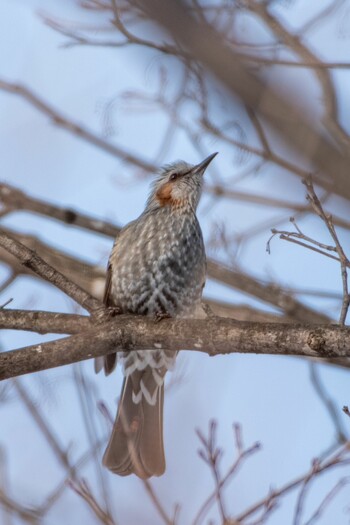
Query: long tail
{"x":136,"y":444}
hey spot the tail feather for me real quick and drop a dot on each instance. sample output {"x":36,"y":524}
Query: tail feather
{"x":136,"y":444}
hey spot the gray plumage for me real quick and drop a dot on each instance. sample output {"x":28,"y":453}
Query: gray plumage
{"x":157,"y":268}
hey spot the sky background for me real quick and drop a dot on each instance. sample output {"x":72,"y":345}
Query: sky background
{"x":271,"y":397}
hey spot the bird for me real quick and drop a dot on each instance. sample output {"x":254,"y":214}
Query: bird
{"x":157,"y":268}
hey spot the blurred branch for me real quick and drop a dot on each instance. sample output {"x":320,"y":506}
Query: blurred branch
{"x":214,"y":336}
{"x":341,"y":434}
{"x":325,"y":13}
{"x":302,"y":494}
{"x":25,"y":513}
{"x":73,"y":127}
{"x":57,"y":492}
{"x":206,"y":45}
{"x":339,"y":459}
{"x":327,"y":500}
{"x":13,"y":199}
{"x":88,"y":405}
{"x":157,"y":503}
{"x":331,"y":119}
{"x":209,"y":455}
{"x":6,"y":514}
{"x":82,"y":488}
{"x":266,"y":200}
{"x":267,"y":292}
{"x":43,"y":425}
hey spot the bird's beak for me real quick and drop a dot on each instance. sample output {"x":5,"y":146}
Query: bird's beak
{"x":202,"y":166}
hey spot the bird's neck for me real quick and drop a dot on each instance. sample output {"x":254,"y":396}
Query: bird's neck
{"x":172,"y":206}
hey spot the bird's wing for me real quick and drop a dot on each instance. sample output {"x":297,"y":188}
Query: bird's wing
{"x":107,"y":293}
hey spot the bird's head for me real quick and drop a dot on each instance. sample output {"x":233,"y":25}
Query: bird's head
{"x":179,"y":184}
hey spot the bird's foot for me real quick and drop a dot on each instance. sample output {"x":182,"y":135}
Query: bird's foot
{"x":105,"y":313}
{"x":161,"y":315}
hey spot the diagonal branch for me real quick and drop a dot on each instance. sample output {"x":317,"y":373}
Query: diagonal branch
{"x":33,"y":262}
{"x":73,"y":127}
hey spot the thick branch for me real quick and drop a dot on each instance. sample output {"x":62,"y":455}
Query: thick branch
{"x":43,"y":322}
{"x":213,"y":336}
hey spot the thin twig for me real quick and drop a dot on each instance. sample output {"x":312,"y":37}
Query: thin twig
{"x":344,"y":261}
{"x":337,"y":460}
{"x":242,"y":454}
{"x":156,"y":502}
{"x":327,"y":499}
{"x":82,"y":488}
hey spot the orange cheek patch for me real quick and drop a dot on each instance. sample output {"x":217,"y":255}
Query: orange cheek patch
{"x":164,"y":194}
{"x":164,"y":197}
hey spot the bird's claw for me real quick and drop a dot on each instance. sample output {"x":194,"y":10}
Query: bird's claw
{"x":105,"y":313}
{"x":160,"y":316}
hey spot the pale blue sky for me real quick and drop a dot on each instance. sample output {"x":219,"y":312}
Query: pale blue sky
{"x":270,"y":396}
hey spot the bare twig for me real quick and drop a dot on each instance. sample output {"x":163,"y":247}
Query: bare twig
{"x":157,"y":503}
{"x":242,"y":454}
{"x":327,"y":500}
{"x":87,"y":405}
{"x":82,"y":488}
{"x":339,"y":459}
{"x":4,"y":488}
{"x":7,"y":282}
{"x":302,"y":494}
{"x":211,"y":454}
{"x":43,"y":425}
{"x":310,"y":243}
{"x":344,"y":261}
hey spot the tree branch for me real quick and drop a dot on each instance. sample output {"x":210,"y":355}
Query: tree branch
{"x":214,"y":336}
{"x":73,"y":127}
{"x":13,"y":199}
{"x":43,"y":322}
{"x":208,"y":47}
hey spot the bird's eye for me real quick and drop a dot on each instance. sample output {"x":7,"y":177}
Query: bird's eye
{"x":173,"y":176}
